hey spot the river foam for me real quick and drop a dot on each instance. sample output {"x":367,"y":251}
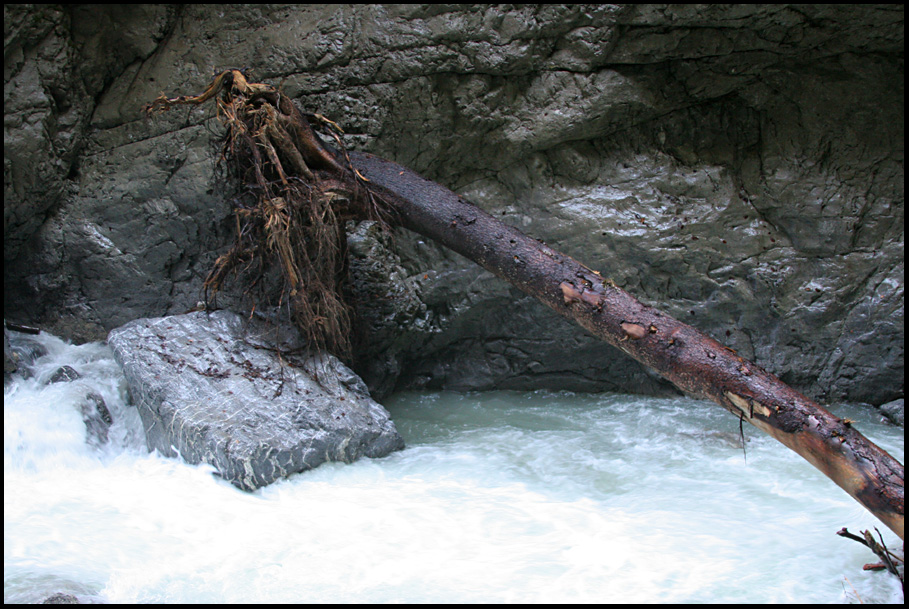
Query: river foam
{"x":499,"y":497}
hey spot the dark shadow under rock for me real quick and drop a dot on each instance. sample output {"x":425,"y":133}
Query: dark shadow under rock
{"x":212,"y":388}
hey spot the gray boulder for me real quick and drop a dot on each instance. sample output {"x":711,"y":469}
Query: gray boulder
{"x":894,"y":411}
{"x":95,"y":413}
{"x":213,"y":388}
{"x":19,"y":353}
{"x":65,"y":374}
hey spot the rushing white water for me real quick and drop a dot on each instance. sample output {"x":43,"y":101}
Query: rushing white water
{"x":499,"y":497}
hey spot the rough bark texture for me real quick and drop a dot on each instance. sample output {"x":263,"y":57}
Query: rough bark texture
{"x":694,"y":362}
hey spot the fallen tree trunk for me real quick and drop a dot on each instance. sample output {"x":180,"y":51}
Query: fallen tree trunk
{"x":356,"y":183}
{"x":691,"y":360}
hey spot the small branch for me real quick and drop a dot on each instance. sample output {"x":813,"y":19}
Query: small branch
{"x":854,"y":591}
{"x":888,"y":558}
{"x":22,"y":329}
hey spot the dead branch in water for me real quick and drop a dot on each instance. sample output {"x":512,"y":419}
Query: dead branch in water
{"x":889,"y":561}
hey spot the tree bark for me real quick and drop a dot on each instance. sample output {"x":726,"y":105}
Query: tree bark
{"x":694,"y":362}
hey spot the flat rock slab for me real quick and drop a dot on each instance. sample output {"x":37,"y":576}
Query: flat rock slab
{"x":212,"y":387}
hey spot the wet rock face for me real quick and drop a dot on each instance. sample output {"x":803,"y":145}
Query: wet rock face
{"x":212,"y":388}
{"x":95,"y":413}
{"x":56,"y":61}
{"x":739,"y":166}
{"x":895,"y":412}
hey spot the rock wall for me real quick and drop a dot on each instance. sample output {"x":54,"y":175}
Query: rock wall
{"x":740,"y":166}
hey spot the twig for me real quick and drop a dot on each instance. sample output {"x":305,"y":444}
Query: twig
{"x":854,"y":591}
{"x":21,"y":328}
{"x":880,"y":549}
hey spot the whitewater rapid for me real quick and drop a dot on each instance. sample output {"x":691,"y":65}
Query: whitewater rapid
{"x":498,"y":497}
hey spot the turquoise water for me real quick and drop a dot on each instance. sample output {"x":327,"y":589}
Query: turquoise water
{"x":499,"y":497}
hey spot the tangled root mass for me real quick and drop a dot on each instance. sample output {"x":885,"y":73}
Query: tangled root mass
{"x":296,"y":195}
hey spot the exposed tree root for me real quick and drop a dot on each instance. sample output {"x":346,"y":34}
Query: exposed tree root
{"x":295,"y":199}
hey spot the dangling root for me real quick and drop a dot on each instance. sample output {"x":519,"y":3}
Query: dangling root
{"x":298,"y":196}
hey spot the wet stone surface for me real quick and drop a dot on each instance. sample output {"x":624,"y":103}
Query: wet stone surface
{"x":212,"y":388}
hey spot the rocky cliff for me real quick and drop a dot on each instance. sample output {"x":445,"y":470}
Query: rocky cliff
{"x":740,"y":166}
